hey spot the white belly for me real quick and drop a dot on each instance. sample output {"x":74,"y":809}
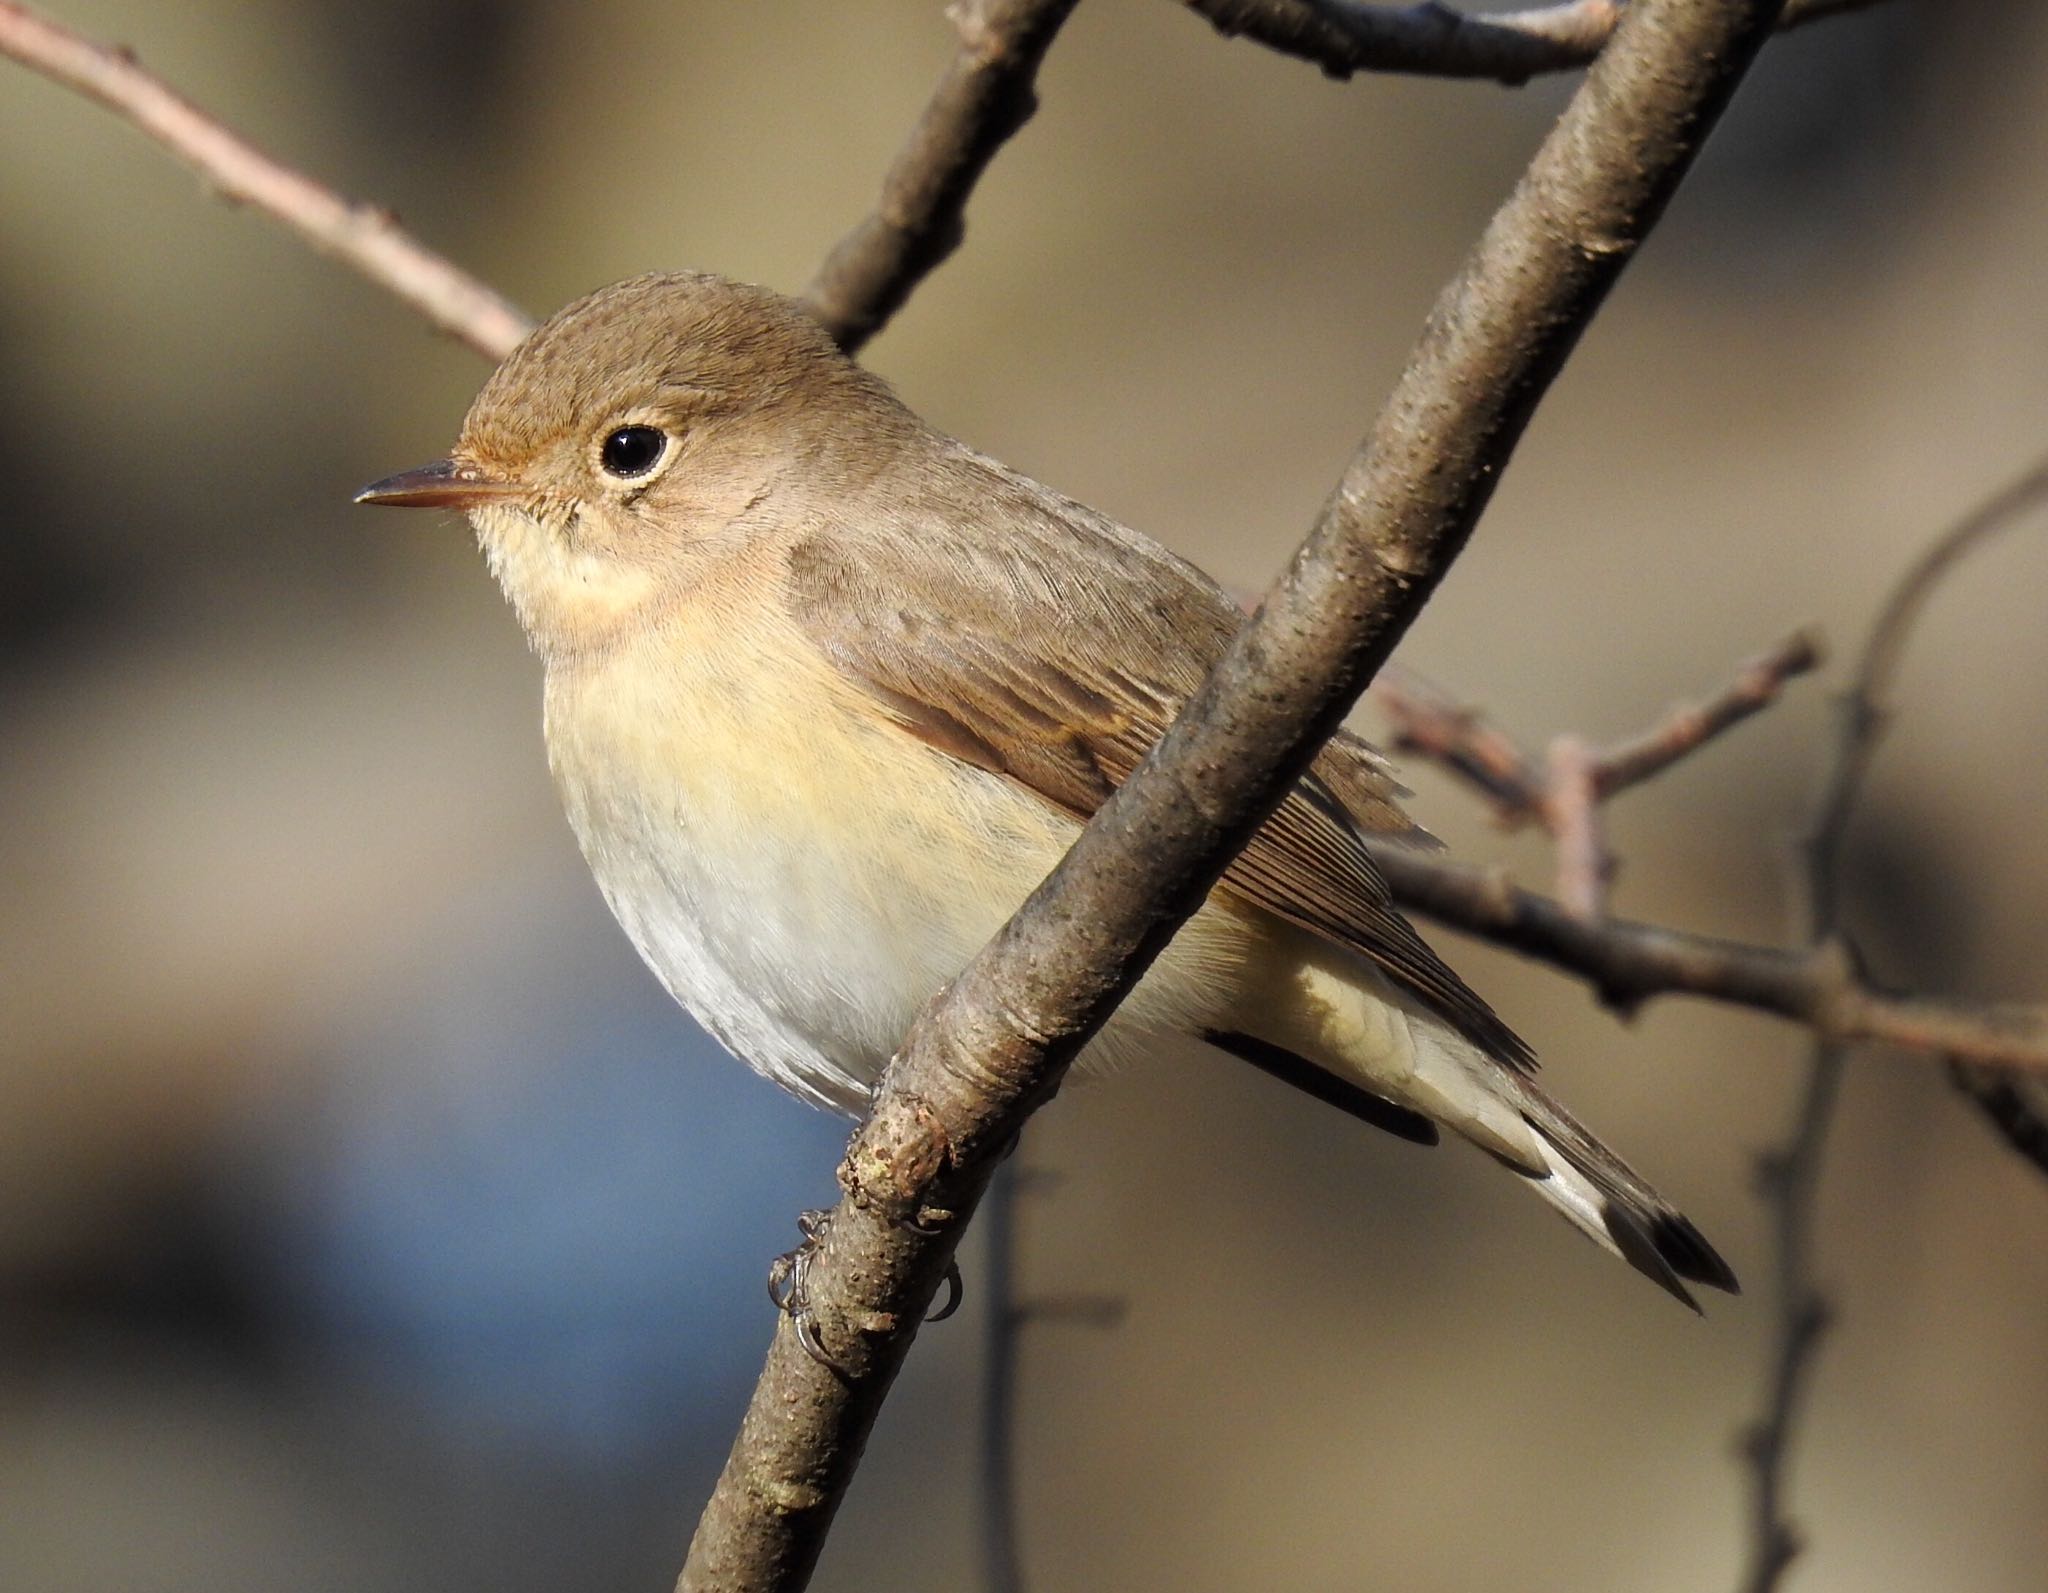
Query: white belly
{"x":804,"y":883}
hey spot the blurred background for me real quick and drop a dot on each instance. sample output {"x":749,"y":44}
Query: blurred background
{"x":370,"y":1220}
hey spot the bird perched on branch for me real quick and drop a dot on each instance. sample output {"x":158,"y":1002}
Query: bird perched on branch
{"x":828,"y":693}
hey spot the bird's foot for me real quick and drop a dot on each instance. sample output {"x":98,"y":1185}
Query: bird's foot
{"x":789,"y":1286}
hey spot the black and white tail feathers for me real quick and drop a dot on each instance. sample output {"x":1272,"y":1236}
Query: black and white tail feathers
{"x":1604,"y":1197}
{"x":1507,"y":1116}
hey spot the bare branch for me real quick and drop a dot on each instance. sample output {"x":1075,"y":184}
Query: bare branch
{"x":1571,"y":807}
{"x":1007,"y":1315}
{"x":359,"y":235}
{"x":994,"y":1046}
{"x":1686,"y":729}
{"x":1433,"y":40}
{"x":1791,"y":1177}
{"x":1628,"y":963}
{"x":1866,"y":711}
{"x":1002,"y":1560}
{"x":1789,"y":1182}
{"x":1427,"y":722}
{"x":1566,"y":794}
{"x":984,"y":97}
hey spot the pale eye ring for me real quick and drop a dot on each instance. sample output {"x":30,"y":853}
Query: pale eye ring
{"x":632,"y":451}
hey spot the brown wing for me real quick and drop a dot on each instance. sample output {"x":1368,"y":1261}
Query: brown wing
{"x":1058,"y":651}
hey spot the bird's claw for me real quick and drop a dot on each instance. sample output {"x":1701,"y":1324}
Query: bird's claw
{"x":789,"y":1286}
{"x":954,"y":1291}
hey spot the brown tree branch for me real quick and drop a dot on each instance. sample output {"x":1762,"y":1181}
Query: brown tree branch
{"x":1689,"y":727}
{"x":1585,"y":866}
{"x":1434,"y":40}
{"x":1428,"y":722}
{"x":360,"y":235}
{"x":1565,"y":794}
{"x":1006,"y":1315}
{"x":1628,"y":963}
{"x":1002,"y":1559}
{"x":994,"y":1046}
{"x":1790,"y":1177}
{"x":984,"y":97}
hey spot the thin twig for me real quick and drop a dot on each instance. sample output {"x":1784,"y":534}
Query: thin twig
{"x":1689,"y":727}
{"x":1426,"y":722}
{"x":359,"y":235}
{"x":1566,"y":792}
{"x":995,"y":1044}
{"x":1788,"y":1180}
{"x":1571,"y":808}
{"x":1791,"y":1176}
{"x":1008,"y":1315}
{"x":1434,"y":40}
{"x":984,"y":97}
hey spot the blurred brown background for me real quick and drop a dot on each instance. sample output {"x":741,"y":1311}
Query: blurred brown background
{"x":369,"y":1220}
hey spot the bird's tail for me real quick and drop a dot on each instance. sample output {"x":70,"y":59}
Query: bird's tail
{"x":1378,"y":1055}
{"x":1505,"y":1113}
{"x":1606,"y":1199}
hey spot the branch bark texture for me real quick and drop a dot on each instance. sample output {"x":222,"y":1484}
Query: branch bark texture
{"x":984,"y":98}
{"x":995,"y":1044}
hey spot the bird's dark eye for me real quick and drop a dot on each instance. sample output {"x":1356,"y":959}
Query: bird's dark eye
{"x":632,"y":451}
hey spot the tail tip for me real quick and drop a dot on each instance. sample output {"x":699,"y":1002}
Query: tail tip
{"x":1686,"y":1251}
{"x":1666,"y":1248}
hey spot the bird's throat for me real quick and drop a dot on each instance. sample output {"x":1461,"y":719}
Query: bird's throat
{"x":571,"y":601}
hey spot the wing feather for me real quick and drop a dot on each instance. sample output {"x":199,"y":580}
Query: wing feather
{"x":1057,"y":652}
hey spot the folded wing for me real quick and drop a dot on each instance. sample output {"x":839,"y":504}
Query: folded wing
{"x":1057,"y":652}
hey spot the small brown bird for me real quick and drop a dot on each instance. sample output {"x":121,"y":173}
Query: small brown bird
{"x":828,"y":693}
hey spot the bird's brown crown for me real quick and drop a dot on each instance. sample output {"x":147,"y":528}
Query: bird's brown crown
{"x":690,"y":341}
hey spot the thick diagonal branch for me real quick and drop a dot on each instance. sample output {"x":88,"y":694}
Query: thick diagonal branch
{"x":359,"y":235}
{"x":995,"y":1045}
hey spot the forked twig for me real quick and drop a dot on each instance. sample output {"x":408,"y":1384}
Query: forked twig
{"x":1565,"y":791}
{"x":1755,"y":685}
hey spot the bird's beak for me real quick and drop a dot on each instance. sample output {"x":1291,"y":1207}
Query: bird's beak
{"x":445,"y":484}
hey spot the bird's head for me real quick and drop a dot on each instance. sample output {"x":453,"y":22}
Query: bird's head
{"x":644,"y":430}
